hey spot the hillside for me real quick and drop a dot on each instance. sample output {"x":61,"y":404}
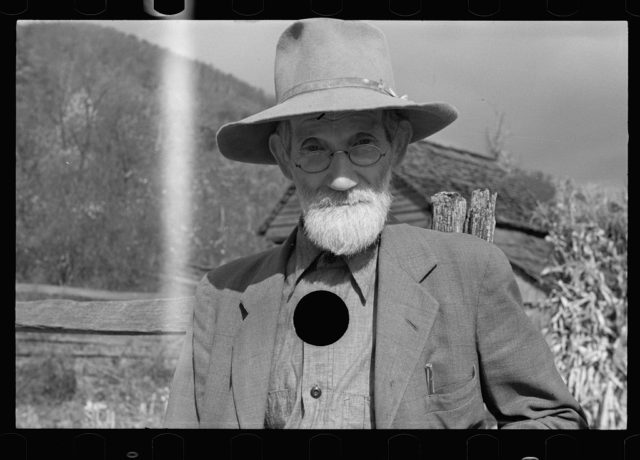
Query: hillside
{"x":88,"y":178}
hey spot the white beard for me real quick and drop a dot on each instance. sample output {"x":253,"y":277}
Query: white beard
{"x":345,"y":223}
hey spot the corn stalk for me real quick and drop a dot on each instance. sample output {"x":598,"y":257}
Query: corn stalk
{"x":588,"y":302}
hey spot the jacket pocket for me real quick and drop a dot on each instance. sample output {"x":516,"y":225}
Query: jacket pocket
{"x":454,"y":405}
{"x":453,"y":395}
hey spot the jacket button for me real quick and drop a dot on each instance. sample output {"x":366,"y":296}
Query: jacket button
{"x":316,"y":392}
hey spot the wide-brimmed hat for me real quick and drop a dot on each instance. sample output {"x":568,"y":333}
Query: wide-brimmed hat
{"x":329,"y":65}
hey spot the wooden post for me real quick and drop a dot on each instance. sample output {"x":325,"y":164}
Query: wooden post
{"x":481,"y":220}
{"x":449,"y":211}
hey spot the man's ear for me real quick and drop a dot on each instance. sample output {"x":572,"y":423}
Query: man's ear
{"x":280,"y":154}
{"x":401,"y":141}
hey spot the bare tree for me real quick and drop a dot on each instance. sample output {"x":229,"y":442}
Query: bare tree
{"x":497,"y":141}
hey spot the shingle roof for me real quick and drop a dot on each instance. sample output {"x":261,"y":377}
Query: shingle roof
{"x":429,"y":168}
{"x":432,"y":168}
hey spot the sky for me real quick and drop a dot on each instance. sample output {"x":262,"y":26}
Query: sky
{"x":561,"y":86}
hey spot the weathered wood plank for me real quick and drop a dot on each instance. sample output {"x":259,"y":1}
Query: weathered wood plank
{"x":77,"y":354}
{"x":151,"y":316}
{"x":481,"y":215}
{"x":97,"y":345}
{"x":81,"y":293}
{"x":449,"y":211}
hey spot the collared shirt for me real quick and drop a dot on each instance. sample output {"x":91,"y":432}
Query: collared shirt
{"x":324,"y":387}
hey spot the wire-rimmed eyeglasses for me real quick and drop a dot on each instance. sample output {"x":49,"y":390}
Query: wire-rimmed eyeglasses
{"x":316,"y":161}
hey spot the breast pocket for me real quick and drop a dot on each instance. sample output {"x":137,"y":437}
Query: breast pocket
{"x":453,"y":395}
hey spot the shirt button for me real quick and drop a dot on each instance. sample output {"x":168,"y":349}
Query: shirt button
{"x":316,"y":392}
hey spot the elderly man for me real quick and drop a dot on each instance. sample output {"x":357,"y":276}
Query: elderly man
{"x":356,"y":321}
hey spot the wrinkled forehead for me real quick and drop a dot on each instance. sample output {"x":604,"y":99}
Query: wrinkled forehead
{"x":367,"y":121}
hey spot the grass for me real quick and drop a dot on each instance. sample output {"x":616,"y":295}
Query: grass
{"x":55,"y":390}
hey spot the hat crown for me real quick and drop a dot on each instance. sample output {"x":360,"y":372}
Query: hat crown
{"x":321,"y":49}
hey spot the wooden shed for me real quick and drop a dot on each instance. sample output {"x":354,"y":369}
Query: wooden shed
{"x":430,"y":168}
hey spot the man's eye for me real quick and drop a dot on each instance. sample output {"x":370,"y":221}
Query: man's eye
{"x":364,"y":141}
{"x":312,"y":148}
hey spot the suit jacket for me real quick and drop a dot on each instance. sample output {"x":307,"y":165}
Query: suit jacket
{"x":447,"y":299}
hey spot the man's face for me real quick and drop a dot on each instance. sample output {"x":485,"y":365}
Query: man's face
{"x":345,"y":206}
{"x":335,"y":132}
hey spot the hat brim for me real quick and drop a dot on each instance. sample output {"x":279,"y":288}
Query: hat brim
{"x":247,"y":140}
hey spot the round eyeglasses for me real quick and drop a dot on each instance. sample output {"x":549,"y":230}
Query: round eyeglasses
{"x":315,"y":161}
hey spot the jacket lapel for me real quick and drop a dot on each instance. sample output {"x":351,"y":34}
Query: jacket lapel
{"x":253,"y":345}
{"x":405,"y":314}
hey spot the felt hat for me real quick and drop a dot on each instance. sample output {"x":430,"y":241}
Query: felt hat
{"x":328,"y":65}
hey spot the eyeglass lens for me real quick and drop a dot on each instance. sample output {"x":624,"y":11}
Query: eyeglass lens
{"x":319,"y":160}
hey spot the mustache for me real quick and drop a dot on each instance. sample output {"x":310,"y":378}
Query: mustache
{"x":333,"y":198}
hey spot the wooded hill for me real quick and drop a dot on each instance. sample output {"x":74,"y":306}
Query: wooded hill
{"x":88,"y":176}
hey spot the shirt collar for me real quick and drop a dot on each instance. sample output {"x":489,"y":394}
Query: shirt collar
{"x":362,"y":266}
{"x":306,"y":254}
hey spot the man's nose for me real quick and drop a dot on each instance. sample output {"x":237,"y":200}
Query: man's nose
{"x":342,"y":175}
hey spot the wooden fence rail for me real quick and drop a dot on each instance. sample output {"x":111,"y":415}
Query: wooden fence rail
{"x":136,"y":314}
{"x":30,"y":344}
{"x":132,"y":317}
{"x":41,"y":290}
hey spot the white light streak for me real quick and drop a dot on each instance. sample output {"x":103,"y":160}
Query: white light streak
{"x":177,"y":148}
